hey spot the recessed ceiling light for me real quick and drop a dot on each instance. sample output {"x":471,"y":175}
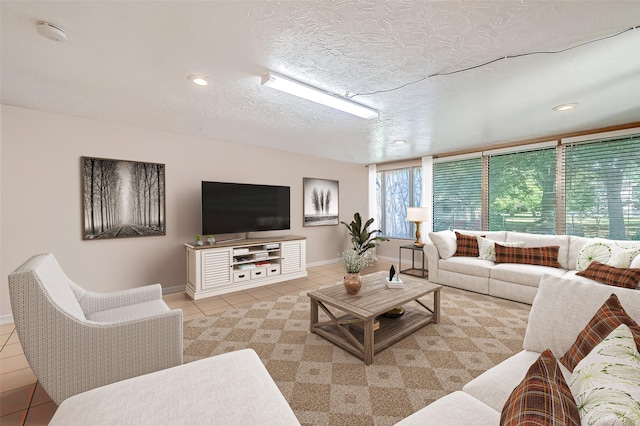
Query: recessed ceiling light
{"x":399,"y":142}
{"x":565,"y":107}
{"x":199,"y":80}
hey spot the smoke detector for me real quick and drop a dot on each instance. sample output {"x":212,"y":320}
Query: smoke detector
{"x":51,"y":31}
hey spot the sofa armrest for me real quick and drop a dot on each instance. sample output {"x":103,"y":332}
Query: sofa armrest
{"x":95,"y":302}
{"x":433,"y":258}
{"x":456,"y":409}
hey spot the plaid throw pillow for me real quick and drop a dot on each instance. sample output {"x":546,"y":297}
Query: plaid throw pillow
{"x":619,"y":277}
{"x":545,"y":256}
{"x":467,"y":245}
{"x":542,"y":398}
{"x":610,"y":315}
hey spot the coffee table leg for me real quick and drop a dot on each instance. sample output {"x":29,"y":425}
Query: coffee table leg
{"x":314,"y":314}
{"x":368,"y":341}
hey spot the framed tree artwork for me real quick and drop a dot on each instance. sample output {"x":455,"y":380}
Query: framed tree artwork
{"x":122,"y":199}
{"x":320,"y":202}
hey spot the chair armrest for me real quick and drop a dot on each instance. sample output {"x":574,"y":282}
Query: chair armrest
{"x":96,"y":302}
{"x":104,"y":353}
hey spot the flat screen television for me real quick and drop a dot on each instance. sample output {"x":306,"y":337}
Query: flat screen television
{"x":240,"y":207}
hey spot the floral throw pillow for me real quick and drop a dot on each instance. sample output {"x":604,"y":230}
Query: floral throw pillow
{"x":619,"y":254}
{"x":610,"y":315}
{"x":606,"y":383}
{"x":487,"y":247}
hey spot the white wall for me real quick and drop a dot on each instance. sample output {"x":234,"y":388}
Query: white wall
{"x":42,"y":210}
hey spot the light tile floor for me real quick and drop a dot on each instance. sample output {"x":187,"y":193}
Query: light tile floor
{"x":23,"y":401}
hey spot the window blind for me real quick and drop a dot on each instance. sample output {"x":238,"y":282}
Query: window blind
{"x":457,"y":194}
{"x":522,"y":191}
{"x":602,"y":188}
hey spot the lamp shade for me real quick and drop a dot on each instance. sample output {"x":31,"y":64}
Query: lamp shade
{"x":417,"y":214}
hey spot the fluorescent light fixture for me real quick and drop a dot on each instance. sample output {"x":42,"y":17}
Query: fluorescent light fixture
{"x":565,"y":107}
{"x":310,"y":93}
{"x":399,"y":142}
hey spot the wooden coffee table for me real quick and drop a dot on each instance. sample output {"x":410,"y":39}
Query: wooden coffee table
{"x":346,"y":311}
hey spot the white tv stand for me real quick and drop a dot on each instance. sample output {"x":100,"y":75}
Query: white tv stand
{"x":226,"y":266}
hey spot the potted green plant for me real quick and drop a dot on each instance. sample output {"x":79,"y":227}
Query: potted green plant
{"x":362,"y":239}
{"x":353,"y":262}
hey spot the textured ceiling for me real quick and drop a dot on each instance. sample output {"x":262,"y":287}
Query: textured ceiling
{"x":128,"y":62}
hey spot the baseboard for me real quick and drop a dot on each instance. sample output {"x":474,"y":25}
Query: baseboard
{"x":6,"y":319}
{"x":174,"y":289}
{"x":393,"y":260}
{"x":322,"y":263}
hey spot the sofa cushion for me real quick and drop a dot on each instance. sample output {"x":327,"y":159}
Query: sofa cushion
{"x":467,"y":245}
{"x":539,"y":240}
{"x":233,"y":388}
{"x":445,"y":242}
{"x":494,"y":235}
{"x":544,"y":256}
{"x":447,"y":411}
{"x":613,"y":253}
{"x":606,"y":383}
{"x":619,"y":277}
{"x":494,"y":386}
{"x":487,"y":250}
{"x":542,"y":398}
{"x":522,"y":273}
{"x":467,"y":265}
{"x":131,"y":312}
{"x":635,"y":263}
{"x":610,"y":315}
{"x":548,"y":326}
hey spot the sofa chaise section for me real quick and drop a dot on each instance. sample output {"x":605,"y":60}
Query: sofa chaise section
{"x":560,"y":311}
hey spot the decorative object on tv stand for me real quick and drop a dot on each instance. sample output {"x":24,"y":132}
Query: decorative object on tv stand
{"x":122,"y":198}
{"x":199,"y":240}
{"x":211,"y":240}
{"x":362,"y":239}
{"x":417,"y":215}
{"x":353,"y":262}
{"x":320,"y":202}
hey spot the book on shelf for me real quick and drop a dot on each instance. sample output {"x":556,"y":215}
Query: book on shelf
{"x":247,"y":266}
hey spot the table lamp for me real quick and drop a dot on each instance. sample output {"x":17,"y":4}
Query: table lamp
{"x":417,"y":215}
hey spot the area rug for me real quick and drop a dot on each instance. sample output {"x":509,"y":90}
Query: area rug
{"x":325,"y":385}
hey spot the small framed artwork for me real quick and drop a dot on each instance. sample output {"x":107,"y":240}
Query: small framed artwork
{"x":320,"y":202}
{"x":122,"y":199}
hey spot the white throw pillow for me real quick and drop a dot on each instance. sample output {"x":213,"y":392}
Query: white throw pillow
{"x":445,"y":242}
{"x":487,"y":247}
{"x":613,"y":253}
{"x":635,"y":263}
{"x":606,"y":383}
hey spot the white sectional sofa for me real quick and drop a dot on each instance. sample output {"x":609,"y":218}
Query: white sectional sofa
{"x":512,"y":281}
{"x":234,"y":388}
{"x":560,"y":310}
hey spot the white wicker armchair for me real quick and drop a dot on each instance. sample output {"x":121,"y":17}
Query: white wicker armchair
{"x":76,"y":340}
